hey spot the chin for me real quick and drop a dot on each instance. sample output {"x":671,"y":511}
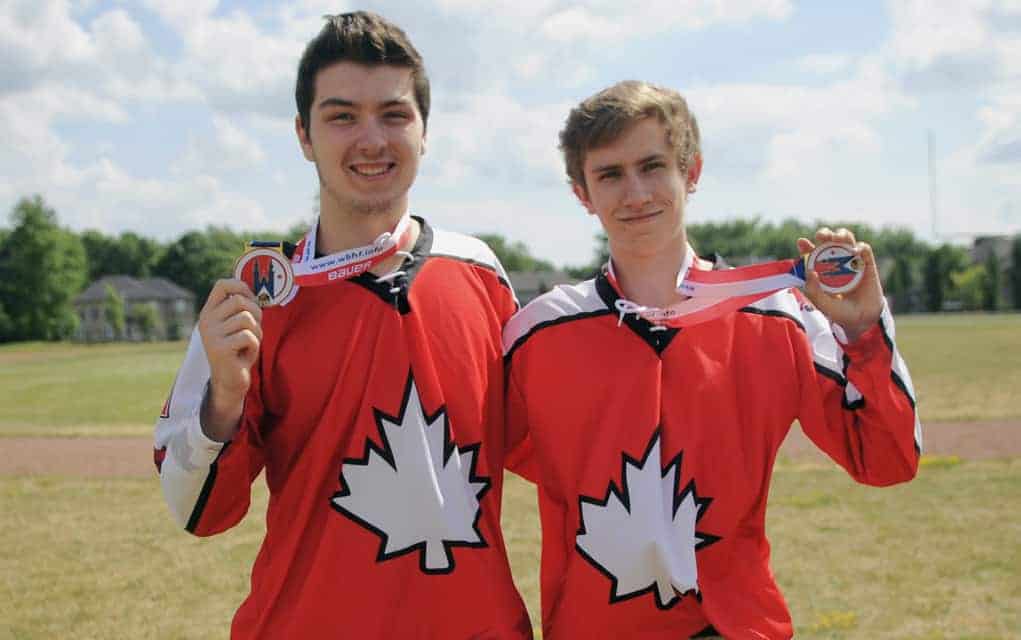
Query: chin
{"x":373,"y":207}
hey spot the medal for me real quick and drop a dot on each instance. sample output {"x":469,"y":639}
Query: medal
{"x":275,"y":280}
{"x":712,"y":294}
{"x":267,"y":272}
{"x":839,"y":268}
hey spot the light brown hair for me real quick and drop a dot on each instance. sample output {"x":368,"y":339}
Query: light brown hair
{"x":604,"y":117}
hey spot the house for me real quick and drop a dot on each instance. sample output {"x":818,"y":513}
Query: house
{"x":173,"y":307}
{"x":531,"y":284}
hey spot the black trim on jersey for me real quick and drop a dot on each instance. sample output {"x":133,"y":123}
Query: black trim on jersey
{"x":776,"y":313}
{"x":831,"y":374}
{"x":860,"y":402}
{"x":550,"y":323}
{"x":207,"y":489}
{"x":657,"y":338}
{"x":385,"y":452}
{"x":897,"y":380}
{"x":624,"y":497}
{"x":366,"y":280}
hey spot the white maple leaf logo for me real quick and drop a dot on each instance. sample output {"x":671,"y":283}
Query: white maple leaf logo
{"x":642,"y":536}
{"x":419,"y":492}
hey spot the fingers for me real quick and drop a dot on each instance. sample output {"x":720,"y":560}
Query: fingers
{"x":227,"y":298}
{"x":224,"y":289}
{"x":241,"y":321}
{"x":805,"y":246}
{"x":841,"y":236}
{"x":244,"y":343}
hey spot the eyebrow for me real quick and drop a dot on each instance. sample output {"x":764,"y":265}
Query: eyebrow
{"x":341,"y":102}
{"x":616,"y":167}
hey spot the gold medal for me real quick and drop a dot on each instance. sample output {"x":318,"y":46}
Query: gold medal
{"x":266,"y":271}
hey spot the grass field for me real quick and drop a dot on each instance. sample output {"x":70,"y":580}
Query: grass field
{"x":938,"y":558}
{"x":64,"y":389}
{"x":965,"y":367}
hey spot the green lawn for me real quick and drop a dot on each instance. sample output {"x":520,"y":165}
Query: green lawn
{"x":937,"y":558}
{"x":65,"y":389}
{"x":966,"y":367}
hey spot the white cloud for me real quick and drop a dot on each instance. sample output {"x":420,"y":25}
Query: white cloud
{"x":824,"y":63}
{"x":607,"y":19}
{"x":495,"y":138}
{"x":230,"y":148}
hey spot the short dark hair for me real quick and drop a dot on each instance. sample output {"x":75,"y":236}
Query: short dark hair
{"x":364,"y":38}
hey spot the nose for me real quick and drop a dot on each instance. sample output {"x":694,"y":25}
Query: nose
{"x":637,"y":193}
{"x":372,"y":140}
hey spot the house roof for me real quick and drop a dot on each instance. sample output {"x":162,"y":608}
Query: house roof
{"x":134,"y":289}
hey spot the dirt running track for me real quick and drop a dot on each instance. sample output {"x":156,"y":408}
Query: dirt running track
{"x":132,"y":457}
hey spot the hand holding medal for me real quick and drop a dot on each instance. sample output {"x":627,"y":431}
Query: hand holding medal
{"x":856,"y":309}
{"x":839,"y":277}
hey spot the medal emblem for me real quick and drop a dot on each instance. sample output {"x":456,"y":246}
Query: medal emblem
{"x":838,"y":266}
{"x":266,"y":271}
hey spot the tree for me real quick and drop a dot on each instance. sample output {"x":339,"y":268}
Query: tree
{"x":940,"y":263}
{"x":128,"y":254}
{"x":514,"y":256}
{"x":198,"y":259}
{"x":42,"y":267}
{"x":991,"y":283}
{"x":900,"y":283}
{"x":113,"y":312}
{"x":969,"y":286}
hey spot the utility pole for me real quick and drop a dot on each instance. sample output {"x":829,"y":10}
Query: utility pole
{"x":932,"y":184}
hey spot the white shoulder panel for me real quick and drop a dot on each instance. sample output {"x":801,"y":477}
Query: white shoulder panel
{"x":563,"y":302}
{"x":464,"y":247}
{"x":189,"y":453}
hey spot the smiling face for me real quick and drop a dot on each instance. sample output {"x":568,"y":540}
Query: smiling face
{"x":365,"y":136}
{"x":637,"y":190}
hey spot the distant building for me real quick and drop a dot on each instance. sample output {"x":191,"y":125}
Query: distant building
{"x":531,"y":284}
{"x":174,"y":310}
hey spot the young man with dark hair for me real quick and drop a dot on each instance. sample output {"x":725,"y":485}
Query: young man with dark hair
{"x":652,"y":445}
{"x":372,"y":398}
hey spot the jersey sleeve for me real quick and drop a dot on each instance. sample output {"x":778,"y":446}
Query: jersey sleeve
{"x":857,"y":401}
{"x":206,"y":484}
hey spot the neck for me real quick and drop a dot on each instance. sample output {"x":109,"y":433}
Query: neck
{"x":649,"y":279}
{"x":342,"y":228}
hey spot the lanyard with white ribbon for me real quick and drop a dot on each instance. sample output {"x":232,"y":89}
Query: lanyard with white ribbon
{"x":310,"y":271}
{"x":274,"y":280}
{"x":712,"y":294}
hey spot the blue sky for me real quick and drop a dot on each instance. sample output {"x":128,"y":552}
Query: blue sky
{"x":158,"y":116}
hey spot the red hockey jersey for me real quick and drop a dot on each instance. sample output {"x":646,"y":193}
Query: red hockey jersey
{"x":653,"y":450}
{"x":378,"y":419}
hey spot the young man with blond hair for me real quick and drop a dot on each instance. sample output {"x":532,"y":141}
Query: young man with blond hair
{"x":372,"y":398}
{"x":653,"y":446}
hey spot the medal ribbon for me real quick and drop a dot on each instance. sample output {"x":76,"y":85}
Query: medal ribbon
{"x":310,"y":271}
{"x":712,"y":294}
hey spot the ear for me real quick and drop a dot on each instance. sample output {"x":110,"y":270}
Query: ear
{"x":303,"y":139}
{"x":581,"y":193}
{"x":694,"y":171}
{"x":422,"y":150}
